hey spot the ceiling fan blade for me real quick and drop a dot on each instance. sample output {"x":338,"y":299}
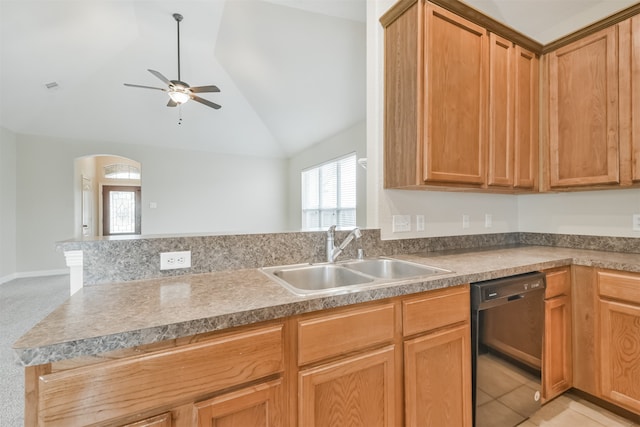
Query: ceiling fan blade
{"x":201,"y":89}
{"x":205,"y":102}
{"x":161,"y":77}
{"x":172,"y":103}
{"x":145,"y":87}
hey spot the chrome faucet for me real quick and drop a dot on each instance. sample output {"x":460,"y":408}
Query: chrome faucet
{"x":332,"y":250}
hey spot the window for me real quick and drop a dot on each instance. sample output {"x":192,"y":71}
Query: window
{"x":329,"y":194}
{"x":121,"y":171}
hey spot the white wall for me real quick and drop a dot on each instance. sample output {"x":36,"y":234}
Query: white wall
{"x":194,"y":191}
{"x":598,"y":213}
{"x":348,"y":141}
{"x":605,"y":213}
{"x":443,"y":212}
{"x":7,"y":204}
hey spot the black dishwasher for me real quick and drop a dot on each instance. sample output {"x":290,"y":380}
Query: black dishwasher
{"x":507,"y":328}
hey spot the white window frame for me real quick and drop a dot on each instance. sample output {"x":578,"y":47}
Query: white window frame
{"x":341,"y":215}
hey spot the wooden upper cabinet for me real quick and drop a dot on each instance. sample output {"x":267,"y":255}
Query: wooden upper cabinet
{"x":513,"y":115}
{"x":526,"y":118}
{"x":436,"y":91}
{"x":583,"y":112}
{"x":635,"y":93}
{"x":455,"y":92}
{"x":461,"y":103}
{"x":501,"y":111}
{"x":629,"y":51}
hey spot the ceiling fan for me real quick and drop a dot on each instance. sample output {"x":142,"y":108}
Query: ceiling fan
{"x":179,"y":91}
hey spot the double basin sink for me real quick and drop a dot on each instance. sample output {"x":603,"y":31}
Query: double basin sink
{"x":346,"y":276}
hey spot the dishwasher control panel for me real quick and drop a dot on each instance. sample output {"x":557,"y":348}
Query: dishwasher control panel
{"x":511,"y":287}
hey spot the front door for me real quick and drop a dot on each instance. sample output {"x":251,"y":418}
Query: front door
{"x":121,"y":210}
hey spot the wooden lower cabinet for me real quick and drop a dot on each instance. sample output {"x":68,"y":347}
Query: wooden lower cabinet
{"x":620,"y":338}
{"x":125,"y":390}
{"x":557,"y":372}
{"x":437,"y":358}
{"x":437,"y":374}
{"x":389,"y":363}
{"x":163,"y":420}
{"x":586,"y":348}
{"x":606,"y":335}
{"x":256,"y":406}
{"x":357,"y":391}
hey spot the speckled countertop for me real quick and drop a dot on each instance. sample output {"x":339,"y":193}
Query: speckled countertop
{"x":103,"y":318}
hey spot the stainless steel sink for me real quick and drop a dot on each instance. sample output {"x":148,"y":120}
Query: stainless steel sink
{"x":305,"y":279}
{"x":387,"y":268}
{"x":313,"y":279}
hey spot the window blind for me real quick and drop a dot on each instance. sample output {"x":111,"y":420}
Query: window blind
{"x":329,"y":194}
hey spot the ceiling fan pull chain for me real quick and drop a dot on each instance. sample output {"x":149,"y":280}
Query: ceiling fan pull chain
{"x":179,"y":114}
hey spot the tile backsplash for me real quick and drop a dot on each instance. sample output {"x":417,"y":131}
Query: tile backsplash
{"x":123,"y":259}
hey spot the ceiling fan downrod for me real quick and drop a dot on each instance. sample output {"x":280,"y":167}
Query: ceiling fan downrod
{"x":178,"y":18}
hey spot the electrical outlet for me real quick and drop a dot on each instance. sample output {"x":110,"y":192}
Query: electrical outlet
{"x":636,"y":222}
{"x":419,"y":222}
{"x":488,"y":220}
{"x":175,"y":260}
{"x":465,"y":221}
{"x":401,"y":223}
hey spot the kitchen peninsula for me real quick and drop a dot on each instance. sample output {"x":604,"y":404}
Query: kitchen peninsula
{"x":250,"y":338}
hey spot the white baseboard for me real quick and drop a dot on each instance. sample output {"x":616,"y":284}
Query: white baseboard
{"x":40,"y":273}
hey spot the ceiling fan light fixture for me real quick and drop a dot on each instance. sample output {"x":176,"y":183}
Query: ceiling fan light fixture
{"x":179,"y":97}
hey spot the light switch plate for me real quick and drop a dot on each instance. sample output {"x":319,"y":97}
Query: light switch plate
{"x":401,"y":223}
{"x":419,"y":222}
{"x":636,"y":222}
{"x":465,"y":221}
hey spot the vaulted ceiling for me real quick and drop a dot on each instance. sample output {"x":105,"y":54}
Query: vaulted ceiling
{"x":291,"y":72}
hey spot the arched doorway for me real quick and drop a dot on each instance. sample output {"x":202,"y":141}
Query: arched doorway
{"x":109,"y":200}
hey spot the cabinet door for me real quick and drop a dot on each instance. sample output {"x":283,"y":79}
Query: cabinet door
{"x":620,"y":353}
{"x":525,"y":118}
{"x":257,"y":406}
{"x":635,"y":96}
{"x":501,"y":110}
{"x":583,"y":112}
{"x":585,"y":320}
{"x":438,"y":379}
{"x":358,"y":392}
{"x":556,"y":369}
{"x":455,"y":92}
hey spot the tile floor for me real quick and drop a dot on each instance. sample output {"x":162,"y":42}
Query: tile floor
{"x":501,"y":397}
{"x":569,"y":410}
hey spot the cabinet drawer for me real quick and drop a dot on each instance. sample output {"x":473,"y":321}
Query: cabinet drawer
{"x":111,"y":390}
{"x":558,"y":282}
{"x":619,"y":285}
{"x":339,"y":333}
{"x":435,"y":309}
